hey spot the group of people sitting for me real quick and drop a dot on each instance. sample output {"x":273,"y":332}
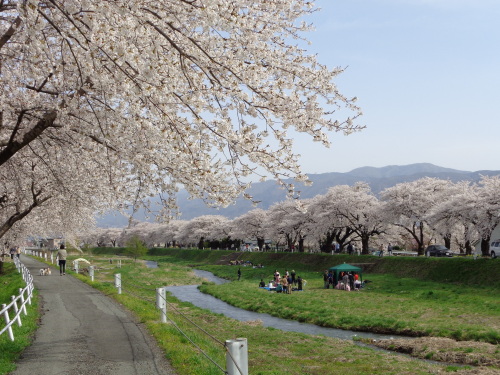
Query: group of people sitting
{"x":285,"y":283}
{"x":347,"y":281}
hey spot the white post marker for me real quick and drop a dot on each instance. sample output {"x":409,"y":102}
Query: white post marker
{"x":91,"y":273}
{"x":76,"y":266}
{"x":118,"y":282}
{"x":237,"y":357}
{"x":161,"y":303}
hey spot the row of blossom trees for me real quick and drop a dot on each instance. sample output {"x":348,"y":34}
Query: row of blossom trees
{"x":411,"y":214}
{"x":117,"y":101}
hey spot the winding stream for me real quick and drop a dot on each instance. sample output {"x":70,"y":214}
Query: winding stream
{"x":190,"y":293}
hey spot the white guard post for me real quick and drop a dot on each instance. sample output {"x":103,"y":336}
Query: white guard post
{"x":237,"y":357}
{"x":118,"y":282}
{"x":161,"y":303}
{"x":91,"y":273}
{"x":76,"y":266}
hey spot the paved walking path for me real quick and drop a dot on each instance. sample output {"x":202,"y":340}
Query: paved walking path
{"x":84,"y":332}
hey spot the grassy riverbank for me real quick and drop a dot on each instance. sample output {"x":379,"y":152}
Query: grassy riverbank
{"x":275,"y":352}
{"x":271,"y":351}
{"x":10,"y":351}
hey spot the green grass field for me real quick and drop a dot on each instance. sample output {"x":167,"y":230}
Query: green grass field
{"x":404,"y":300}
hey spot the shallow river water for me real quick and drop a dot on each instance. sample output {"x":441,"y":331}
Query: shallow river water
{"x":190,"y":293}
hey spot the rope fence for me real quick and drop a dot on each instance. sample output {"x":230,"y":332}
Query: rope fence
{"x":233,"y":348}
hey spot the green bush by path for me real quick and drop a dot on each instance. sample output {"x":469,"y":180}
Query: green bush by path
{"x":10,"y":351}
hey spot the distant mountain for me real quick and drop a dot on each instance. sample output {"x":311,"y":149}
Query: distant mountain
{"x":402,"y":170}
{"x":269,"y":192}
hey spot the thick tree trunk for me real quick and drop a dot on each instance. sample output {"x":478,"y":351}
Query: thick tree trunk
{"x":301,"y":245}
{"x":485,"y":246}
{"x":365,"y":239}
{"x":468,"y":248}
{"x":260,"y":243}
{"x":447,"y":241}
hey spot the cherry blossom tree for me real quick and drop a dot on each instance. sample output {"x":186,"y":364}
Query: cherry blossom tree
{"x":359,"y":211}
{"x":250,"y":226}
{"x":406,"y":205}
{"x":328,"y":226}
{"x":481,"y":205}
{"x":202,"y":228}
{"x":451,"y":221}
{"x":102,"y":237}
{"x":106,"y":101}
{"x":288,"y":220}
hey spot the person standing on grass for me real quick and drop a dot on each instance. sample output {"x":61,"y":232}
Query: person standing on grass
{"x":62,"y":254}
{"x":239,"y":274}
{"x":294,"y":280}
{"x":284,"y":284}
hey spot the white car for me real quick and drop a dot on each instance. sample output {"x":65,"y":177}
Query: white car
{"x":495,"y":248}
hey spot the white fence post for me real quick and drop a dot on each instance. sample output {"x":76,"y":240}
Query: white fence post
{"x":161,"y":303}
{"x":118,"y":282}
{"x":91,"y":273}
{"x":7,"y":321}
{"x":23,"y":304}
{"x":76,"y":266}
{"x":237,"y":357}
{"x":16,"y":310}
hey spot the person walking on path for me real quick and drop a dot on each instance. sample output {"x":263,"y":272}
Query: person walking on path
{"x":61,"y":255}
{"x":85,"y":332}
{"x":12,"y":252}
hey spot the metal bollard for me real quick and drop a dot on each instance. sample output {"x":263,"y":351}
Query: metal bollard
{"x":237,"y":357}
{"x":118,"y":282}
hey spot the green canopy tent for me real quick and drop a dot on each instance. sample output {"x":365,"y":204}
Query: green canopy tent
{"x":345,"y":268}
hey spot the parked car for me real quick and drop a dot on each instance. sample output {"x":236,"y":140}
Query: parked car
{"x":495,"y":249}
{"x":438,"y":251}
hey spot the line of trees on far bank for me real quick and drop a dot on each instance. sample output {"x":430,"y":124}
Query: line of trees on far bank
{"x":409,"y":215}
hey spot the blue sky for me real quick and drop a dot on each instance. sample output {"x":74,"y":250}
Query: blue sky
{"x":426,"y":74}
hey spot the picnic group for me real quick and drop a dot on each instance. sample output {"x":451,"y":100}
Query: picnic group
{"x":285,"y":283}
{"x":346,"y":280}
